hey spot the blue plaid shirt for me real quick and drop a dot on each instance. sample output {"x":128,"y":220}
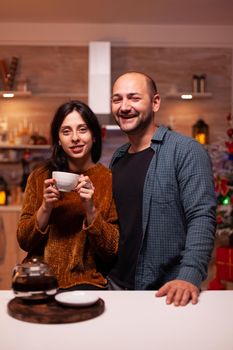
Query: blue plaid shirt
{"x":179,"y":212}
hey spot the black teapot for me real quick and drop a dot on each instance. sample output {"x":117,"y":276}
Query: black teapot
{"x":33,"y":280}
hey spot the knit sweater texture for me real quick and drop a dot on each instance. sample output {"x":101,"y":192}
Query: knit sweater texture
{"x":68,"y":245}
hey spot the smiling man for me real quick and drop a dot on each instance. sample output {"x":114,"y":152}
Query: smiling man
{"x":164,"y":193}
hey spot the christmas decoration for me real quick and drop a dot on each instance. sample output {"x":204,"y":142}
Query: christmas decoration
{"x":224,"y":268}
{"x":221,"y":154}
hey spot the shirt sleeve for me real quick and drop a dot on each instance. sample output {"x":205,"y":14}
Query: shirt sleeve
{"x":198,"y":199}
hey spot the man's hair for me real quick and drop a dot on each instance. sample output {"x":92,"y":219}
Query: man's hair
{"x":151,"y":83}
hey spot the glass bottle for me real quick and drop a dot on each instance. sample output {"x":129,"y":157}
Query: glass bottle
{"x":195,"y":83}
{"x":202,"y":83}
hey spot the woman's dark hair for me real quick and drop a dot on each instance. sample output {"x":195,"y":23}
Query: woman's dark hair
{"x":59,"y":157}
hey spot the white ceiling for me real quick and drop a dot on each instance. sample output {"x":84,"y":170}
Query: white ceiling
{"x":157,"y":12}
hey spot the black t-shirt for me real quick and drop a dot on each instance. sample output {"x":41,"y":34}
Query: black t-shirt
{"x":128,"y":180}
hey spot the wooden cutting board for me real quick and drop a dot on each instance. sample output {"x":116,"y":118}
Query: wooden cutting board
{"x":50,"y":311}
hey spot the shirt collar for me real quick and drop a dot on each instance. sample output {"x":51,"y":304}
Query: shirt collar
{"x":159,"y":134}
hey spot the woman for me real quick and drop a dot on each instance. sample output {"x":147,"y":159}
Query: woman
{"x":74,"y":232}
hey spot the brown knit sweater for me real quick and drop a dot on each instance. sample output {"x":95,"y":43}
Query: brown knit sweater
{"x":69,"y":246}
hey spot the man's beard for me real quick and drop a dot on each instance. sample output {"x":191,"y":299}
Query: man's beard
{"x":141,"y":126}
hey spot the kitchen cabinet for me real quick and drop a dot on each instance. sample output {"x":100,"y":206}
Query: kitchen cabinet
{"x":10,"y":252}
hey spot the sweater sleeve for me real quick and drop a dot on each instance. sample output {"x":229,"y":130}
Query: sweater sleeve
{"x":104,"y":233}
{"x":30,"y":237}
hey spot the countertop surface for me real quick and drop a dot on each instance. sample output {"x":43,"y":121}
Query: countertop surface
{"x":131,"y":320}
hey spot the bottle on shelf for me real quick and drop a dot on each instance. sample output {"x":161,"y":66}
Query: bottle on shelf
{"x":3,"y":130}
{"x":202,"y":84}
{"x":199,"y":83}
{"x":25,"y":132}
{"x":22,"y":133}
{"x":195,"y":83}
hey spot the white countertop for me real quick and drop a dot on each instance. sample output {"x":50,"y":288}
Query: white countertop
{"x":132,"y":320}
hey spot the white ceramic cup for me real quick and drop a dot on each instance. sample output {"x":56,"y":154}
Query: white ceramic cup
{"x":65,"y":182}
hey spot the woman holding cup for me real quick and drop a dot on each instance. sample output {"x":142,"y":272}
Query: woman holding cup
{"x":76,"y":232}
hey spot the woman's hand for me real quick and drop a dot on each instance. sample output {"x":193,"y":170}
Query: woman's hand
{"x":50,"y":196}
{"x":86,"y":189}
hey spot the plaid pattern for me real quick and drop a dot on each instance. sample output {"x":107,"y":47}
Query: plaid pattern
{"x":179,"y":212}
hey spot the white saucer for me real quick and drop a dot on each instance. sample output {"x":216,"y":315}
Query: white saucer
{"x":76,"y":298}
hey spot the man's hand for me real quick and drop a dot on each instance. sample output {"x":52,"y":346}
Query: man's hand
{"x":179,"y":292}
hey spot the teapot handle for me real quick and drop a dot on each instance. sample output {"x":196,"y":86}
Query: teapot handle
{"x":15,"y":269}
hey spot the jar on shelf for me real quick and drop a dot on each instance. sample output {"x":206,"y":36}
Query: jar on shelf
{"x":3,"y":130}
{"x":195,"y":83}
{"x":202,"y":83}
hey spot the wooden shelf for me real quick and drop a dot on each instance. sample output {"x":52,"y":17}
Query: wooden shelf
{"x":37,"y":152}
{"x":192,"y":95}
{"x":22,"y":94}
{"x":74,"y":95}
{"x":14,"y":94}
{"x":35,"y":147}
{"x":8,"y":161}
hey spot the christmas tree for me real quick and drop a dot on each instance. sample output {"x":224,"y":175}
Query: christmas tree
{"x":221,"y":154}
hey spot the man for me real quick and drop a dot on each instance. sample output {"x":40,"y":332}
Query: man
{"x":164,"y":193}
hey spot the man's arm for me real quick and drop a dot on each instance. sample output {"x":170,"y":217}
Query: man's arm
{"x":195,"y":177}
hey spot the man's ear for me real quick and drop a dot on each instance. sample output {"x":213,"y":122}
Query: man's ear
{"x":156,"y":102}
